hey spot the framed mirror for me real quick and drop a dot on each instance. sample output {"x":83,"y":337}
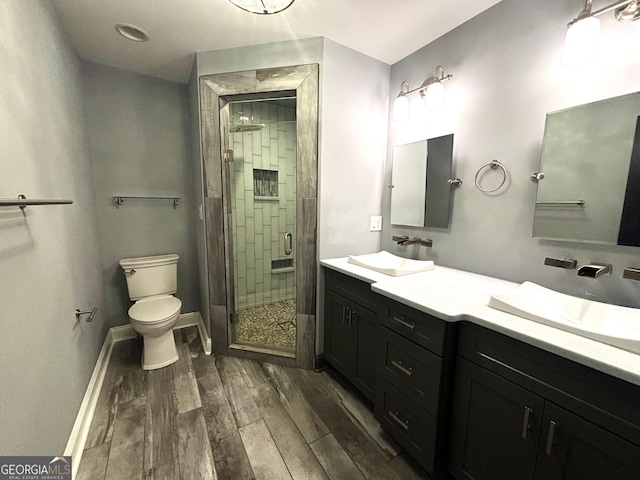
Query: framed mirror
{"x":420,"y":189}
{"x":590,"y":190}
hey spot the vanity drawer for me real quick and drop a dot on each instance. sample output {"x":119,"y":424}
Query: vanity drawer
{"x":418,"y":327}
{"x":411,"y":426}
{"x":352,"y":288}
{"x":412,"y":369}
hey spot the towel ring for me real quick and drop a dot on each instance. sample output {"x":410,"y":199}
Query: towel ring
{"x":493,"y":164}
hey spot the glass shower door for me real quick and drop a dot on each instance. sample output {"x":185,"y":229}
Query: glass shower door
{"x":261,"y":152}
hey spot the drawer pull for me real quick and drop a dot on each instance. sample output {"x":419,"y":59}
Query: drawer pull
{"x":404,"y":323}
{"x":403,"y":423}
{"x":402,"y":368}
{"x":525,"y":422}
{"x":550,"y":435}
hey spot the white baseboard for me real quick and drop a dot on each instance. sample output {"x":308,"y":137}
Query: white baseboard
{"x":190,"y":319}
{"x":78,"y":437}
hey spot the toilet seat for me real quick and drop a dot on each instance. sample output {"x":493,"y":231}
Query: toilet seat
{"x":155,"y":310}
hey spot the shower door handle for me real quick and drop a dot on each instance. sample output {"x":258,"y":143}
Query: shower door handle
{"x":288,"y":243}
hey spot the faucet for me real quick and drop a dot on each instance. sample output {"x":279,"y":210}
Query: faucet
{"x":404,"y":241}
{"x":595,"y":270}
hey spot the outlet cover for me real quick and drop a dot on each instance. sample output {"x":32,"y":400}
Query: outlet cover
{"x":376,"y":224}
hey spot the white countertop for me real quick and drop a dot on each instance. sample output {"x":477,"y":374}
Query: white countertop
{"x":454,"y":295}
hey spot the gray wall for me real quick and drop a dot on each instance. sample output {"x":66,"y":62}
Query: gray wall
{"x":139,"y":136}
{"x":355,"y":92}
{"x":197,"y":187}
{"x":49,"y":256}
{"x":507,"y":76}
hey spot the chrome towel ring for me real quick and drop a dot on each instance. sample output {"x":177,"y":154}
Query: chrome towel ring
{"x":493,"y":164}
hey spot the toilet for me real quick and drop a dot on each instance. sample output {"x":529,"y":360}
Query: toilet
{"x":151,"y":282}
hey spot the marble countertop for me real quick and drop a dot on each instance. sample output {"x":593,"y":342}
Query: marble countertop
{"x":455,"y":295}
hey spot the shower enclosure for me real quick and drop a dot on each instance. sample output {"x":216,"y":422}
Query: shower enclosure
{"x":260,"y":161}
{"x":260,"y":168}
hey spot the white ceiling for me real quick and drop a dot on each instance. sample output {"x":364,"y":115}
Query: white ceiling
{"x":387,"y":30}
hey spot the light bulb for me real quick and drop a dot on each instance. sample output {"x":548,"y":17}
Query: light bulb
{"x":401,"y":108}
{"x":434,"y":97}
{"x":581,"y":41}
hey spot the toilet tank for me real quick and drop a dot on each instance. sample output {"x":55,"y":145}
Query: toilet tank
{"x":147,"y":276}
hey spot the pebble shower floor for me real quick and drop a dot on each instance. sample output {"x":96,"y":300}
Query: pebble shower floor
{"x":272,"y":325}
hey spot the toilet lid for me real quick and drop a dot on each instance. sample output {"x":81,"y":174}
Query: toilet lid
{"x":155,"y":310}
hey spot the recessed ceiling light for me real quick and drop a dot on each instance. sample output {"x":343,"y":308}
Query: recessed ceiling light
{"x":263,"y":7}
{"x":132,"y":32}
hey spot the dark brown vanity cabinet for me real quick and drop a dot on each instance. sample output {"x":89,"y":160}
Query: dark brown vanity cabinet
{"x":350,"y":330}
{"x":523,"y":413}
{"x":414,"y":365}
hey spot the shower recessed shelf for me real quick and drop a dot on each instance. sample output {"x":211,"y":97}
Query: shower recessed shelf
{"x":265,"y":184}
{"x":284,"y":265}
{"x":266,"y":199}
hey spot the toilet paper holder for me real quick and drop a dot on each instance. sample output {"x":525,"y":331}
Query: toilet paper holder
{"x":91,"y":313}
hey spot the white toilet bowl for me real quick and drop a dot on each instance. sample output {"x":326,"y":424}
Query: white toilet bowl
{"x":151,"y":282}
{"x":154,"y":319}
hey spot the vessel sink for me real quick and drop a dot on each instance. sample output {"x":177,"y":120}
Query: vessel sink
{"x":611,"y":324}
{"x":389,"y":264}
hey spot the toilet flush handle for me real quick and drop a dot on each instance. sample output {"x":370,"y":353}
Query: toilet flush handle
{"x":129,"y":272}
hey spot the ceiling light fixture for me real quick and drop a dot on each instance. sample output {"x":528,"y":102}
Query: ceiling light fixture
{"x":263,"y":7}
{"x":584,"y":30}
{"x":431,"y":91}
{"x":132,"y":32}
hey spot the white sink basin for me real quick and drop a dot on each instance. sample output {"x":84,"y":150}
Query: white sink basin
{"x":611,"y":324}
{"x":389,"y":264}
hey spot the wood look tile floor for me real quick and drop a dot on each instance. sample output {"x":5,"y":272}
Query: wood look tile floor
{"x":214,"y":417}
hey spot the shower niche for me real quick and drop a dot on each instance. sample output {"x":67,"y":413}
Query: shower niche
{"x":265,"y":184}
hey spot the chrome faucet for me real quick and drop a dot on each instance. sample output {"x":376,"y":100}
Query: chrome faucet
{"x":595,"y":270}
{"x":404,"y":241}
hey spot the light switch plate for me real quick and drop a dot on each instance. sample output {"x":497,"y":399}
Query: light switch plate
{"x":376,"y":224}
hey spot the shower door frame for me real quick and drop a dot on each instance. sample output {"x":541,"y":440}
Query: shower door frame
{"x":216,"y":91}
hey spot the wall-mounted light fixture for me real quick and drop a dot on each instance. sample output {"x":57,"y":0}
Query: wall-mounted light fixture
{"x":263,"y":7}
{"x":431,"y":92}
{"x":582,"y":36}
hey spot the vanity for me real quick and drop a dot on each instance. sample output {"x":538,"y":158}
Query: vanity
{"x":474,"y":393}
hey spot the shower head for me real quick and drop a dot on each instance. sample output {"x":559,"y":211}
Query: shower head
{"x":246,"y":127}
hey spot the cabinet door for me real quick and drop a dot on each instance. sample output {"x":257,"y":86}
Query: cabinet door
{"x":496,"y":427}
{"x":364,"y":327}
{"x":337,"y":345}
{"x":573,"y":448}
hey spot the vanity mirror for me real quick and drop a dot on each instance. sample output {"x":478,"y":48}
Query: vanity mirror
{"x":589,"y":180}
{"x":420,"y":188}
